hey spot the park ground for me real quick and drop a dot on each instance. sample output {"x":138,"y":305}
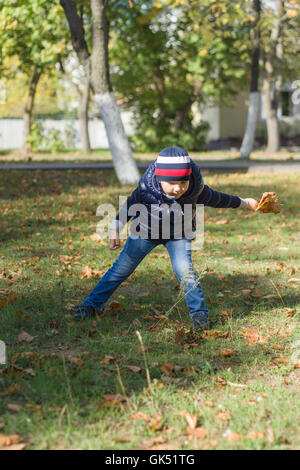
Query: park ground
{"x":103,"y":155}
{"x":98,"y":384}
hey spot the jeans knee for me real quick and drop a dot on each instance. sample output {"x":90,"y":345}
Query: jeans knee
{"x":122,"y":268}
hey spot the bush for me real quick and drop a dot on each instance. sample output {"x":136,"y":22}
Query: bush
{"x":49,"y":140}
{"x":151,"y":135}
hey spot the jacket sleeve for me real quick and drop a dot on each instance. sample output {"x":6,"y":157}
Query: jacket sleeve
{"x":210,"y":197}
{"x":122,"y":217}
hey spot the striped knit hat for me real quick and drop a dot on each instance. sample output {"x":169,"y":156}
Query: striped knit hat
{"x":173,"y":164}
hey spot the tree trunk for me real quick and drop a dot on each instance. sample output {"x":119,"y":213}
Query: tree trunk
{"x":124,"y":163}
{"x":83,"y":103}
{"x":271,"y":105}
{"x":158,"y":79}
{"x":181,"y":113}
{"x":273,"y":81}
{"x":26,"y":148}
{"x":249,"y":136}
{"x":84,"y":118}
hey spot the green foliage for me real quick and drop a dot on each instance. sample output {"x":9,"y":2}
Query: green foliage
{"x":150,"y":136}
{"x":36,"y":136}
{"x":50,"y":140}
{"x":165,"y":56}
{"x":33,"y":31}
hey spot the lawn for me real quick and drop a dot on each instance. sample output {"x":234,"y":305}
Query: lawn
{"x":104,"y":155}
{"x":98,"y":384}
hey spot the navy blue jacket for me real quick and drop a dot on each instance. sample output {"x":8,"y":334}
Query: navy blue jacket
{"x":150,"y":195}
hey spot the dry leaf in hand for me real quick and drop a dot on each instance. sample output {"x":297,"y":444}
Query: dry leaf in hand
{"x":269,"y":203}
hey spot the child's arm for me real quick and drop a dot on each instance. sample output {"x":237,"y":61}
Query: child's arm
{"x":249,"y":203}
{"x":210,"y":197}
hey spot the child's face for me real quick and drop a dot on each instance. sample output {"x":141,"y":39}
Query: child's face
{"x":174,"y":189}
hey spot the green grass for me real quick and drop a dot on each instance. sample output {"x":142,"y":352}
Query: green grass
{"x":98,"y":155}
{"x":246,"y":400}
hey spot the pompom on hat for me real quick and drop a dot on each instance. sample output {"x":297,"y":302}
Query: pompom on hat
{"x":173,"y":164}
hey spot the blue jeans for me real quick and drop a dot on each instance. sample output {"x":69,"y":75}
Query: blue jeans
{"x":135,"y":249}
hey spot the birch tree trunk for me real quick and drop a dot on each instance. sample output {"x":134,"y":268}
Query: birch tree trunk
{"x":249,"y":136}
{"x":83,"y":116}
{"x":26,"y":148}
{"x":124,"y":163}
{"x":273,"y":81}
{"x":83,"y":103}
{"x":271,"y":105}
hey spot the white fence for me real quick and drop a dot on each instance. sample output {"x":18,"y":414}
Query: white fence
{"x":11,"y":131}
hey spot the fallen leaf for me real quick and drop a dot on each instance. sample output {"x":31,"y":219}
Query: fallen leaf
{"x":115,"y":305}
{"x":257,"y":293}
{"x":6,"y":441}
{"x":280,"y":360}
{"x":294,"y":279}
{"x":76,"y":360}
{"x":86,"y":272}
{"x":199,"y":433}
{"x":168,"y":369}
{"x":156,"y":423}
{"x":255,"y":435}
{"x":134,"y":369}
{"x":232,"y":384}
{"x":123,"y":440}
{"x":228,"y":352}
{"x":208,"y":334}
{"x":278,"y":347}
{"x":107,"y":360}
{"x":139,"y":415}
{"x":9,"y":299}
{"x":221,"y":382}
{"x":20,"y":446}
{"x":291,"y":312}
{"x":246,"y":291}
{"x":224,"y":416}
{"x":13,"y":407}
{"x":113,"y":399}
{"x":222,"y":221}
{"x":25,"y":337}
{"x":233,"y":437}
{"x":253,"y":336}
{"x":180,"y":335}
{"x":144,"y":349}
{"x":270,"y":435}
{"x":150,"y":443}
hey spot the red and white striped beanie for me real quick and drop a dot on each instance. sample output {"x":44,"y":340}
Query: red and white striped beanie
{"x":173,"y":164}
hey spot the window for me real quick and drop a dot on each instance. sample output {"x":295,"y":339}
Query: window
{"x":286,"y":104}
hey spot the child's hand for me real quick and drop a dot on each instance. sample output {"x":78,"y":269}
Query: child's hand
{"x":252,"y":203}
{"x":114,"y":240}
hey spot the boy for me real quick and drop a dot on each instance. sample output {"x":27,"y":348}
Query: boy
{"x":172,"y":180}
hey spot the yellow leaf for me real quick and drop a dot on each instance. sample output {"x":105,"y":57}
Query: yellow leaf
{"x":168,"y":369}
{"x":113,"y":399}
{"x":199,"y":433}
{"x":228,"y":352}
